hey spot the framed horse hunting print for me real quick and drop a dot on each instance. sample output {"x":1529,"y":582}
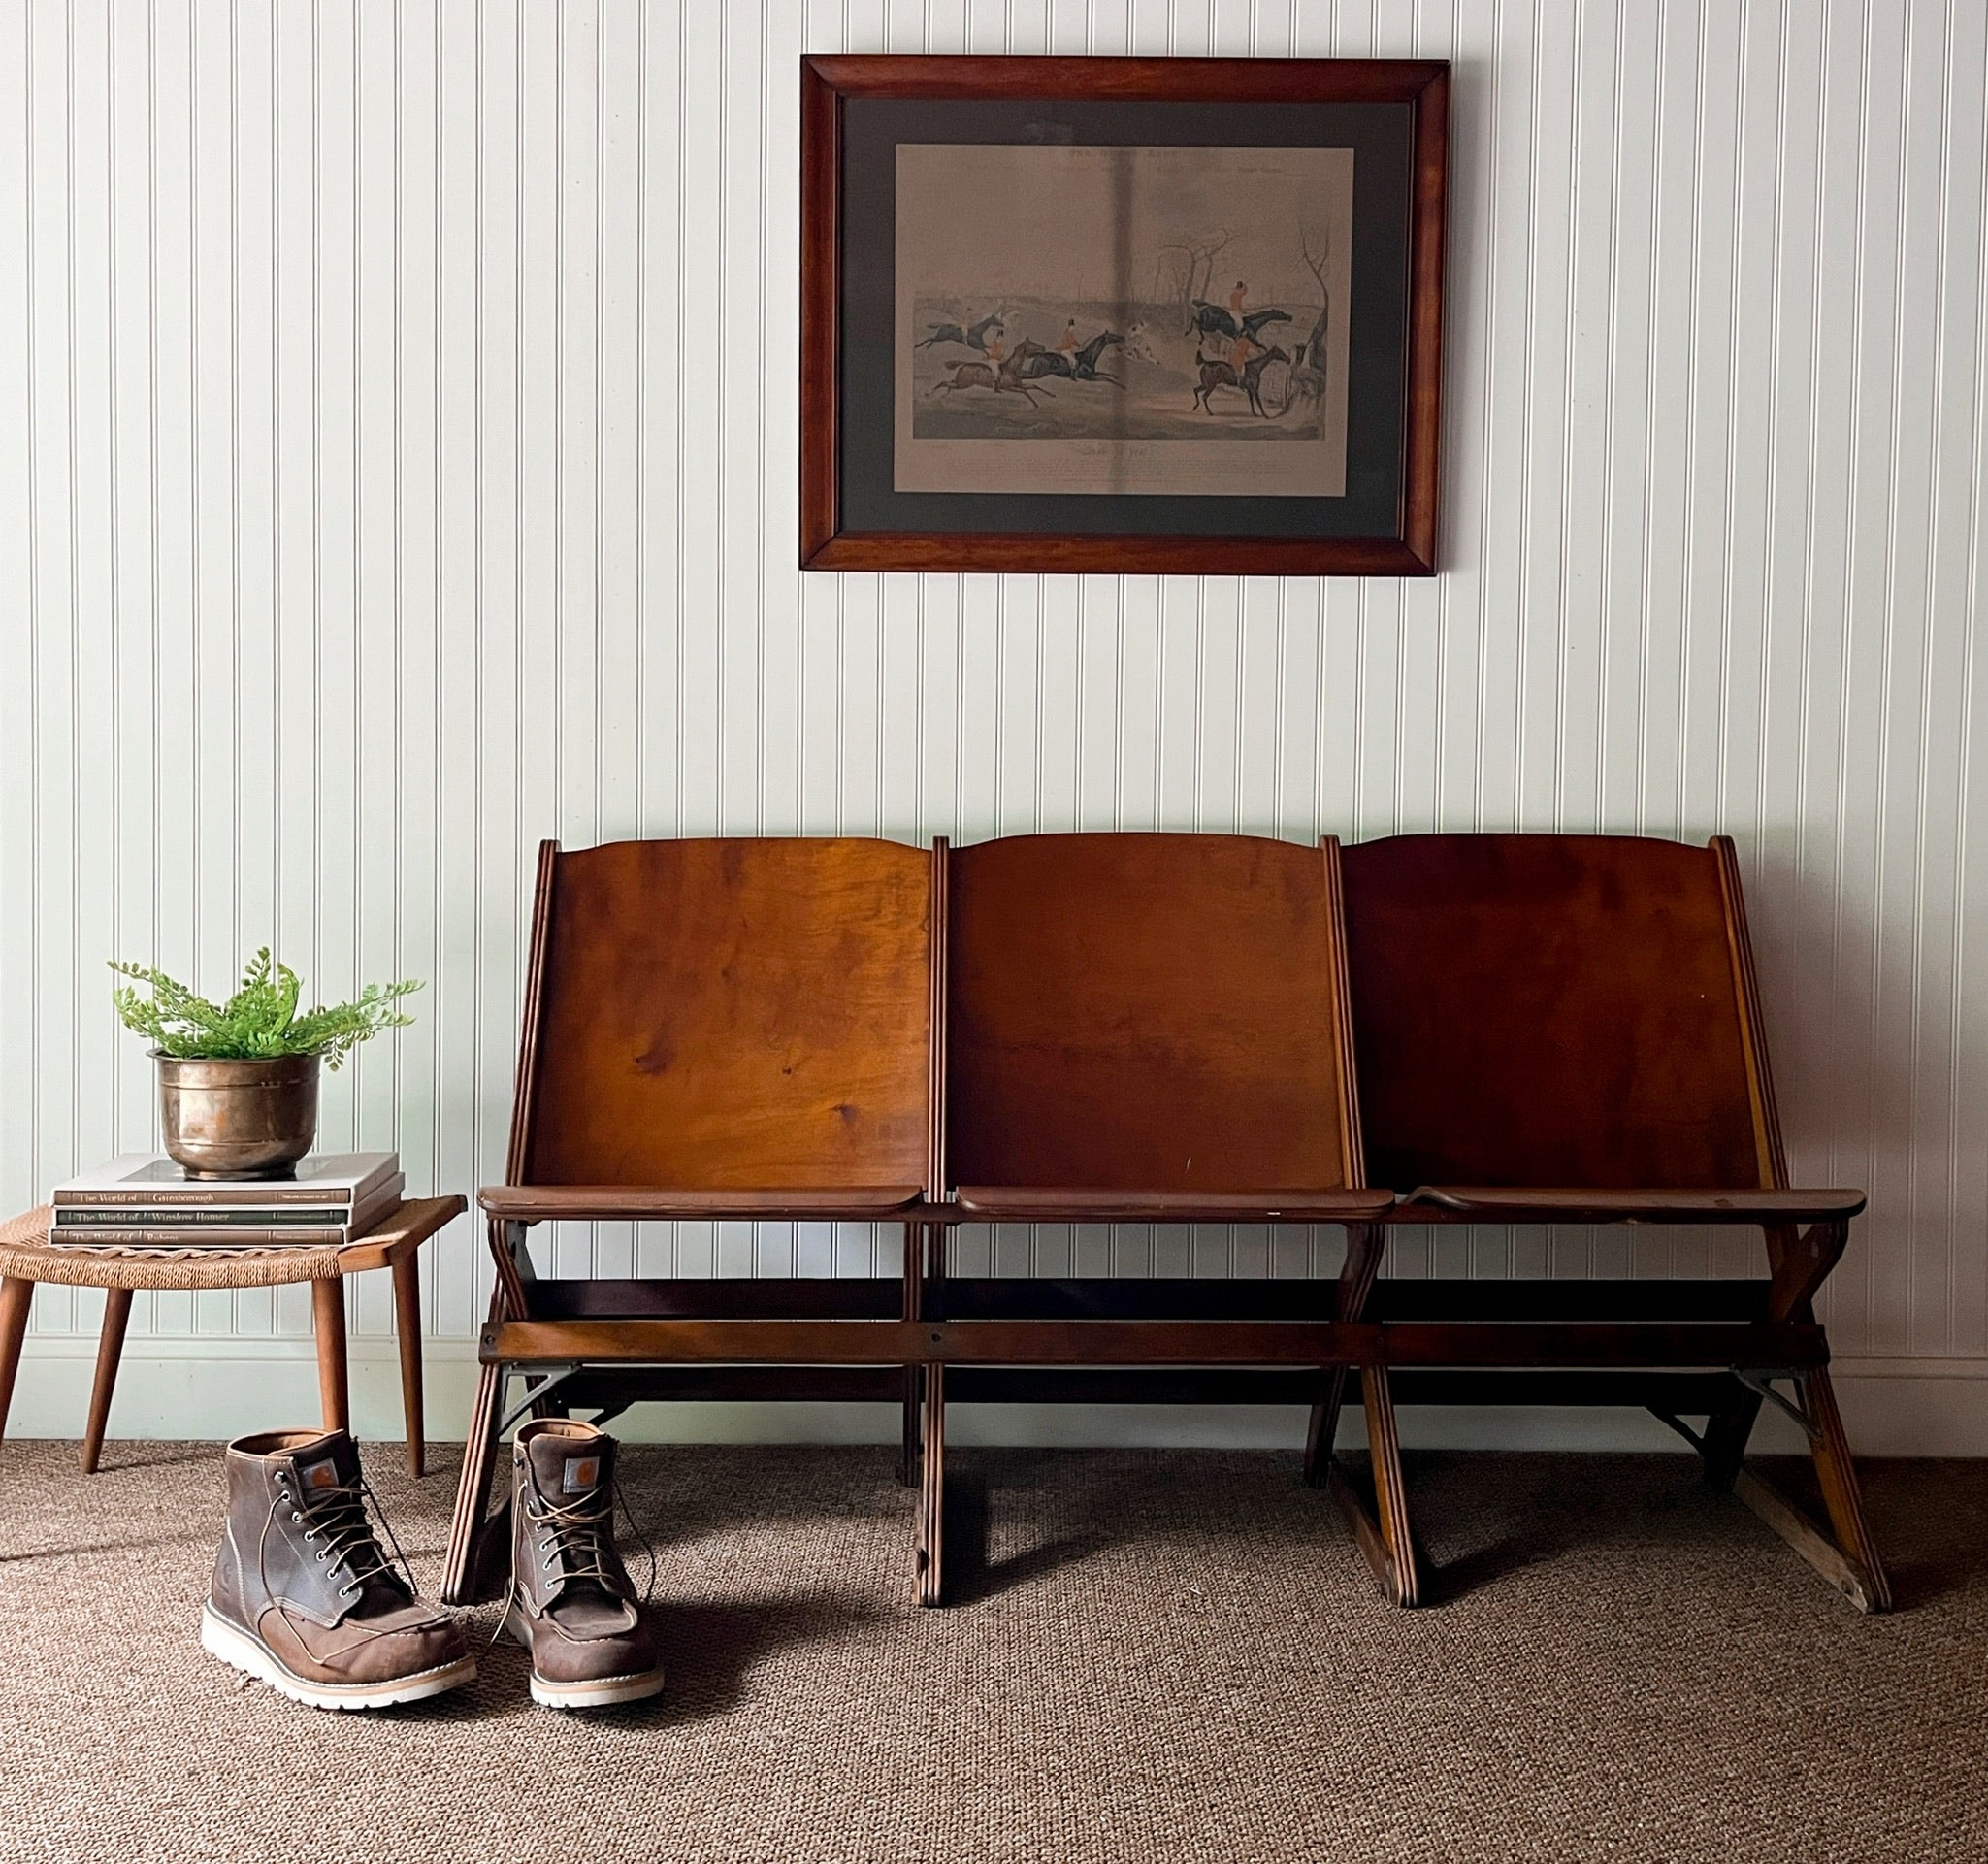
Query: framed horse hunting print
{"x":1160,"y":314}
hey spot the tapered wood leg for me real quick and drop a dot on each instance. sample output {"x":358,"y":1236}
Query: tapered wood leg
{"x":931,"y":1490}
{"x":408,"y":1324}
{"x":1384,"y":1535}
{"x":15,"y":1296}
{"x":468,"y":1530}
{"x":109,"y":1349}
{"x":328,"y":1317}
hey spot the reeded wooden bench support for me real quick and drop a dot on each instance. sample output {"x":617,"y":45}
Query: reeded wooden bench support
{"x":1382,"y":1530}
{"x":470,"y":1527}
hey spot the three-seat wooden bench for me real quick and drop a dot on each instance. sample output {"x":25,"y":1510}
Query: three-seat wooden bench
{"x":1108,"y":1028}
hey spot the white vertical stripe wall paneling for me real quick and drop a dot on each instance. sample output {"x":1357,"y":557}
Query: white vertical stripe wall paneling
{"x":397,"y":465}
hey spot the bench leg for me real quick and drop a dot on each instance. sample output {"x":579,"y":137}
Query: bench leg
{"x":1726,"y":1431}
{"x":109,"y":1349}
{"x":407,"y":1274}
{"x":1324,"y":1429}
{"x":931,"y":1490}
{"x":1365,"y":1245}
{"x":1384,"y":1535}
{"x":907,"y":1453}
{"x":334,"y":1386}
{"x":471,"y":1534}
{"x":1848,"y":1557}
{"x":924,"y":1264}
{"x":15,"y":1296}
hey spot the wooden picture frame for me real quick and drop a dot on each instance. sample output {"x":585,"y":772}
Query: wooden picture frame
{"x":858,"y":402}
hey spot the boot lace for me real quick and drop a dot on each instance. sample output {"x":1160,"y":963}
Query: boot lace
{"x":335,"y":1522}
{"x":584,"y":1533}
{"x":577,"y":1540}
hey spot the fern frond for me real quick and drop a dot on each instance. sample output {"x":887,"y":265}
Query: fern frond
{"x":259,"y":1021}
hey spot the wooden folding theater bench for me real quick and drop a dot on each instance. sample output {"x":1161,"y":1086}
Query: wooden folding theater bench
{"x":1159,"y":1029}
{"x":1567,"y":1030}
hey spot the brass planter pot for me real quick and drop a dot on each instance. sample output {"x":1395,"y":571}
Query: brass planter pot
{"x":238,"y":1119}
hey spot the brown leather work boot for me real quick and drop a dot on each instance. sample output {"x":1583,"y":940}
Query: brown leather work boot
{"x":304,"y":1598}
{"x":572,"y":1605}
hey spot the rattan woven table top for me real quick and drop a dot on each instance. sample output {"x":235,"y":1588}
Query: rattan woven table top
{"x":26,"y":1252}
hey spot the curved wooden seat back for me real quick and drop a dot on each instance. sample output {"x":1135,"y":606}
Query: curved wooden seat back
{"x":1557,"y":1010}
{"x":731,"y":1013}
{"x":1147,"y":1012}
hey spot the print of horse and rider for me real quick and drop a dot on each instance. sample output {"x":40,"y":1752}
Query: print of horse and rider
{"x":1230,"y":353}
{"x":1021,"y":368}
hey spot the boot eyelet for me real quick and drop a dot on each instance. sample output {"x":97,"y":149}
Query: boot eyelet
{"x":296,"y":1517}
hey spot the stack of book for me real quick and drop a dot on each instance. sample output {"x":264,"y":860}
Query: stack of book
{"x":142,"y":1200}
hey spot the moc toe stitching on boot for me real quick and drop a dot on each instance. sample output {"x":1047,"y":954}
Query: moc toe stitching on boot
{"x":572,"y":1606}
{"x":304,"y":1598}
{"x":357,"y":1654}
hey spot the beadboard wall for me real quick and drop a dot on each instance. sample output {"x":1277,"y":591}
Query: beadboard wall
{"x":397,"y":465}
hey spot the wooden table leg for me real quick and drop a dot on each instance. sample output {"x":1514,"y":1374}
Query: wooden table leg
{"x":328,"y":1315}
{"x":16,"y":1295}
{"x":109,"y":1349}
{"x":407,"y":1324}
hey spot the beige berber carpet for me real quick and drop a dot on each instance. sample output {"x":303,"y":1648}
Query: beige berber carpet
{"x":1155,"y":1656}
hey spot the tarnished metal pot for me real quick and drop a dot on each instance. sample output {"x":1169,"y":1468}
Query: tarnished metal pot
{"x":238,"y":1119}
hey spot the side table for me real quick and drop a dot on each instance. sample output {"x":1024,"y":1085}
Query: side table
{"x":394,"y":1242}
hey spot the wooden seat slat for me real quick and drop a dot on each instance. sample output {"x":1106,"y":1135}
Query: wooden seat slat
{"x":1509,"y":1203}
{"x":1037,"y":1204}
{"x":550,"y":1203}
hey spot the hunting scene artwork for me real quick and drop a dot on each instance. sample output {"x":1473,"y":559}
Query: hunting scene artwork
{"x":1123,"y":319}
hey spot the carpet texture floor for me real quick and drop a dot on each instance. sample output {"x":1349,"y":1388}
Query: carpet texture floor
{"x":1154,"y":1656}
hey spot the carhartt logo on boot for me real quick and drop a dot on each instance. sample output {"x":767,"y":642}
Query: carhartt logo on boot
{"x":320,"y":1475}
{"x":581,"y":1474}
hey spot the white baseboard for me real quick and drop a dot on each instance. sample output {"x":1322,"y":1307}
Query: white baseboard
{"x":224,"y":1388}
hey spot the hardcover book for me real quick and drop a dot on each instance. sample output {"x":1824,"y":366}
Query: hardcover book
{"x":144,"y":1180}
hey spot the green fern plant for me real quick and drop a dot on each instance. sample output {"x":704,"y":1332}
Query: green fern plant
{"x":260,"y":1021}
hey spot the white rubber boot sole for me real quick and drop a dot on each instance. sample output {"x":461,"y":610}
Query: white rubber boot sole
{"x":237,"y":1648}
{"x":597,"y":1692}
